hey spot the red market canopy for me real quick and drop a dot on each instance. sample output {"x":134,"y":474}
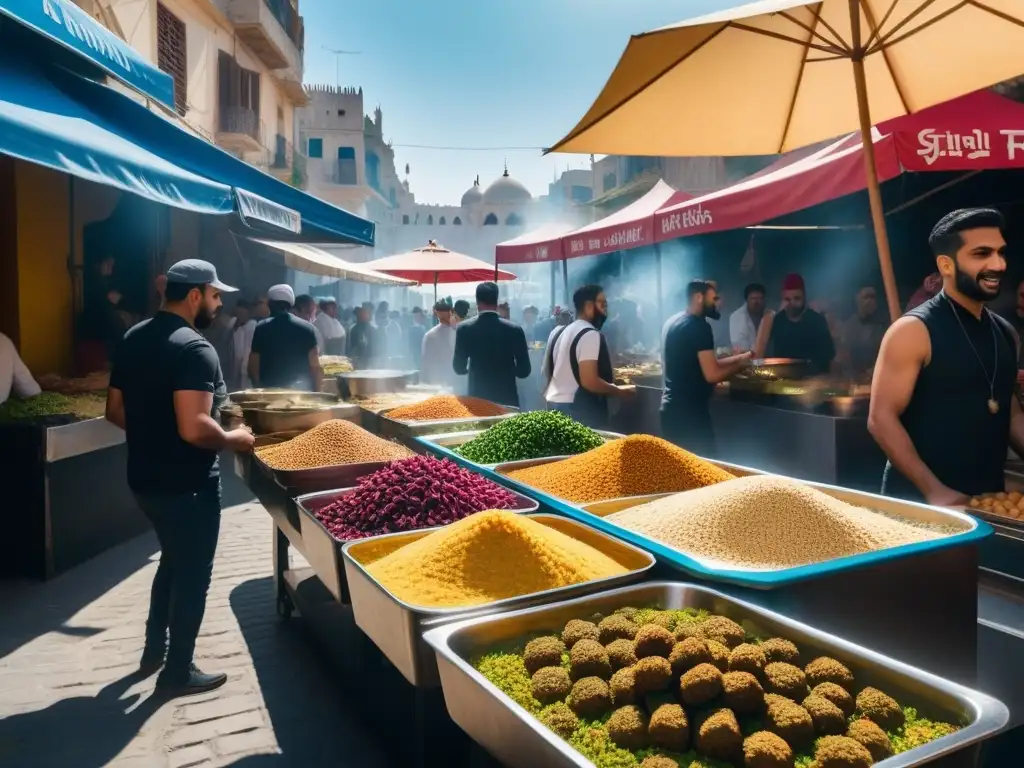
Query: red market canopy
{"x":980,"y":131}
{"x":541,"y":244}
{"x":434,"y":264}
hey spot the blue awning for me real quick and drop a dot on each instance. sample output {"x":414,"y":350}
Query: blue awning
{"x":67,"y":25}
{"x":42,"y":124}
{"x":320,"y":221}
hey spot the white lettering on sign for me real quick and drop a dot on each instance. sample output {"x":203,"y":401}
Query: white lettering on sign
{"x":541,"y":253}
{"x":623,"y":238}
{"x":1014,"y":142}
{"x":57,"y":12}
{"x":688,"y":219}
{"x":973,"y":145}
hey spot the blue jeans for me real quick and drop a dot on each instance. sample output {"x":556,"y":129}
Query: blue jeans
{"x":187,"y":526}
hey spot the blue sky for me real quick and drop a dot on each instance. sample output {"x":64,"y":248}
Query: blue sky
{"x":473,"y":73}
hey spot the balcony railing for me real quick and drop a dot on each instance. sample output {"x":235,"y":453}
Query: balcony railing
{"x":240,"y":120}
{"x":290,"y":21}
{"x":288,"y":161}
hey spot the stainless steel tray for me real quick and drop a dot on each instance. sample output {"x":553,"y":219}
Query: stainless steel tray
{"x":407,"y":430}
{"x":302,"y":481}
{"x":264,"y":420}
{"x":270,"y":394}
{"x":516,"y":738}
{"x":453,"y":440}
{"x":323,"y":551}
{"x":396,"y":627}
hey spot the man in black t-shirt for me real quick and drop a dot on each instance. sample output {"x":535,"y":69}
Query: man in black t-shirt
{"x":165,"y":386}
{"x":691,"y":371}
{"x":284,"y":350}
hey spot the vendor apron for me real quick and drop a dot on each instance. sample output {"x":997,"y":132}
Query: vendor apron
{"x":587,"y":408}
{"x":948,"y":418}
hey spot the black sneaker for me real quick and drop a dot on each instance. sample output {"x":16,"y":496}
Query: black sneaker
{"x":195,"y":682}
{"x":150,"y":663}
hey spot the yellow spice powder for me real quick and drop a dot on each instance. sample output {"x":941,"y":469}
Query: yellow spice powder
{"x":489,"y":556}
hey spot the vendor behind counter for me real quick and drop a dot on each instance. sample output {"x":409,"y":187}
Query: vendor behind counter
{"x":796,"y":331}
{"x":284,"y":347}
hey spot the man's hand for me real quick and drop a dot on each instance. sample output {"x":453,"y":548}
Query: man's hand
{"x":241,"y":440}
{"x":947,"y":497}
{"x":627,"y":391}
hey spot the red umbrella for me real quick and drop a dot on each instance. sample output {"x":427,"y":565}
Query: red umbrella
{"x":436,"y":264}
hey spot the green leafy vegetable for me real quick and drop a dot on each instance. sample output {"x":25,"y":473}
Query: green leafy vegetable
{"x":532,"y":435}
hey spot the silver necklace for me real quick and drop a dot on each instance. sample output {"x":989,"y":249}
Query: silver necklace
{"x":993,"y":404}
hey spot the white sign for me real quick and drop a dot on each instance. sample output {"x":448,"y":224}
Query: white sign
{"x":688,"y":219}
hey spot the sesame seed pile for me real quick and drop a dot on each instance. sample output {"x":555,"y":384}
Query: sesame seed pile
{"x":446,"y":407}
{"x":766,"y":522}
{"x":333,"y":442}
{"x":633,"y":466}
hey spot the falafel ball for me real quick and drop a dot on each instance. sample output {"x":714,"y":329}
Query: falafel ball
{"x":742,"y":693}
{"x":723,"y":630}
{"x":652,"y":674}
{"x":827,"y":670}
{"x":595,"y":618}
{"x":837,"y":695}
{"x":688,"y":654}
{"x":623,"y":687}
{"x":669,"y":728}
{"x":659,"y":761}
{"x":577,"y":630}
{"x":663,"y":619}
{"x":588,"y":658}
{"x":785,"y":680}
{"x":616,"y":627}
{"x":590,"y":697}
{"x":787,"y":719}
{"x":628,"y":611}
{"x":873,"y":738}
{"x":685,"y":629}
{"x":543,"y":652}
{"x":700,"y":684}
{"x":719,"y":735}
{"x":627,"y":727}
{"x":880,"y":708}
{"x":653,"y":640}
{"x":550,"y":684}
{"x":560,"y":719}
{"x":719,"y":655}
{"x":828,"y":719}
{"x":747,"y":657}
{"x":841,"y":752}
{"x":780,"y":649}
{"x":621,"y":653}
{"x":766,"y":750}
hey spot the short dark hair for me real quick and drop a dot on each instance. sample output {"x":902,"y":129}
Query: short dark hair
{"x":417,"y":310}
{"x":303,"y":302}
{"x":531,"y":308}
{"x":278,"y":306}
{"x":487,"y":294}
{"x":585,"y":293}
{"x":697,"y":288}
{"x":945,"y":239}
{"x":442,"y":305}
{"x":754,"y":288}
{"x":461,"y":307}
{"x":178,"y":291}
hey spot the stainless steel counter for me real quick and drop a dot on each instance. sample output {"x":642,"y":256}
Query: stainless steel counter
{"x":70,"y":440}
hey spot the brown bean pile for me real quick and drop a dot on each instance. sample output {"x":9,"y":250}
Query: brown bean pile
{"x":766,"y":522}
{"x":334,"y":442}
{"x":633,"y":466}
{"x":446,"y":407}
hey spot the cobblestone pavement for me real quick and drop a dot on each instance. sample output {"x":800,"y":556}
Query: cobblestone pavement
{"x":68,"y":649}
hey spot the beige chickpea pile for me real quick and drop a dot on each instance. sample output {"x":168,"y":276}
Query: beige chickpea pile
{"x":333,"y":442}
{"x":766,"y":522}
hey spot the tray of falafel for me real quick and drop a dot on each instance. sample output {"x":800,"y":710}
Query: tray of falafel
{"x":670,"y":675}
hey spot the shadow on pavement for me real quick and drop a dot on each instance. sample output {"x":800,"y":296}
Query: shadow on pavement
{"x":84,"y":731}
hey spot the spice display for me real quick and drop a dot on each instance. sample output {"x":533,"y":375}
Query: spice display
{"x":1006,"y":504}
{"x":385,"y":400}
{"x":446,"y":407}
{"x":83,"y":405}
{"x":532,"y":435}
{"x":419,"y":492}
{"x":335,"y":364}
{"x":633,"y":466}
{"x":766,"y":522}
{"x":659,"y":713}
{"x":333,"y":442}
{"x":490,"y":556}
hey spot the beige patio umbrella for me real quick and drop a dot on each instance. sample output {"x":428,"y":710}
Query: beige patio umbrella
{"x":774,"y":75}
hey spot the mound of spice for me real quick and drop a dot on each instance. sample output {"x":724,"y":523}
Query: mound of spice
{"x":334,"y":442}
{"x":633,"y":466}
{"x":421,"y":492}
{"x":489,"y":556}
{"x":531,"y":435}
{"x":446,"y":407}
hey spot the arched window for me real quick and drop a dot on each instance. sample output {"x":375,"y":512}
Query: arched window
{"x":457,"y":221}
{"x":430,"y":219}
{"x":491,"y":220}
{"x":405,"y":218}
{"x":441,"y":221}
{"x":514,"y":220}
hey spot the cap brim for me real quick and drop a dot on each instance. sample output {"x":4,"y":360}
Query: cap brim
{"x":222,"y":287}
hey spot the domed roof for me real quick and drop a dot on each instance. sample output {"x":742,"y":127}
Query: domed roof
{"x":473,"y":195}
{"x":505,"y":190}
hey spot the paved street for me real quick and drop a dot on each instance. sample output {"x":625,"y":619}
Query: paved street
{"x":68,"y":649}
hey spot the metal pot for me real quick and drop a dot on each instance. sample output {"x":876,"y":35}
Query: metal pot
{"x":373,"y":382}
{"x":246,"y":396}
{"x":264,"y":421}
{"x":778,"y":368}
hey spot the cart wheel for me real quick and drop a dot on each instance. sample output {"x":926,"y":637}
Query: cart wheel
{"x":284,"y":608}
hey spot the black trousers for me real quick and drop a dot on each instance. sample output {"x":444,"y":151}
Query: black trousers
{"x":690,"y":428}
{"x":187,"y":526}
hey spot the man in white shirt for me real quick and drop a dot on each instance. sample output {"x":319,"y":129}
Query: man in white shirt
{"x":15,"y":378}
{"x":331,"y":330}
{"x":744,"y":322}
{"x":438,"y":349}
{"x":241,"y":345}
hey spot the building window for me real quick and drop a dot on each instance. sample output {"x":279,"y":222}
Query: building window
{"x":457,"y":221}
{"x":580,"y":194}
{"x":315,"y":148}
{"x":514,"y":220}
{"x":239,"y":98}
{"x":393,"y":197}
{"x":441,"y":221}
{"x":347,"y":166}
{"x":405,"y":218}
{"x":608,"y":182}
{"x":430,"y":219}
{"x":373,"y":169}
{"x":171,"y":54}
{"x":491,"y":220}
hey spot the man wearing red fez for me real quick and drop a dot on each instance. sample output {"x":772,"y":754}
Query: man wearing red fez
{"x":797,"y":331}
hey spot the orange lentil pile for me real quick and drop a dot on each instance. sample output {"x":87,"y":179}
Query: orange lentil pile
{"x":334,"y":442}
{"x":446,"y":407}
{"x":633,"y":466}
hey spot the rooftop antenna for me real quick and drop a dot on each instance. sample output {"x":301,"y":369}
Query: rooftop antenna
{"x":338,"y":53}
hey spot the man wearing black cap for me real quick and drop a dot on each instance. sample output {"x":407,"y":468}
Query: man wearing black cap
{"x":284,"y":347}
{"x":165,"y":385}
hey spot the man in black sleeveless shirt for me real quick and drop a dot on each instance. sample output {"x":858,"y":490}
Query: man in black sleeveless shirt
{"x":943,"y":406}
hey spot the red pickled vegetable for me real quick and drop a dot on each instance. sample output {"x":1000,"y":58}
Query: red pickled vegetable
{"x":420,"y":492}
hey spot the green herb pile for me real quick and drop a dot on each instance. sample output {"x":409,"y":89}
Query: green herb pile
{"x":52,"y":404}
{"x":532,"y":435}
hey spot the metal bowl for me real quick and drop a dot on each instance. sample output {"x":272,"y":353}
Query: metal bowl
{"x":373,"y":382}
{"x":245,"y":396}
{"x":265,"y":420}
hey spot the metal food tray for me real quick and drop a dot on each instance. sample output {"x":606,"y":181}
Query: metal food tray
{"x":452,"y":440}
{"x":517,"y":738}
{"x":303,"y":481}
{"x":267,"y":420}
{"x":406,"y":431}
{"x":323,"y":551}
{"x":1005,"y":526}
{"x":397,"y":627}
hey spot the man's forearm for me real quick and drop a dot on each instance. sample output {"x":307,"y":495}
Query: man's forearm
{"x":207,"y":433}
{"x":115,"y":416}
{"x":900,"y":450}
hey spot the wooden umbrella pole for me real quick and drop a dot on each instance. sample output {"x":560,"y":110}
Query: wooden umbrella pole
{"x":892,"y":296}
{"x":435,"y":287}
